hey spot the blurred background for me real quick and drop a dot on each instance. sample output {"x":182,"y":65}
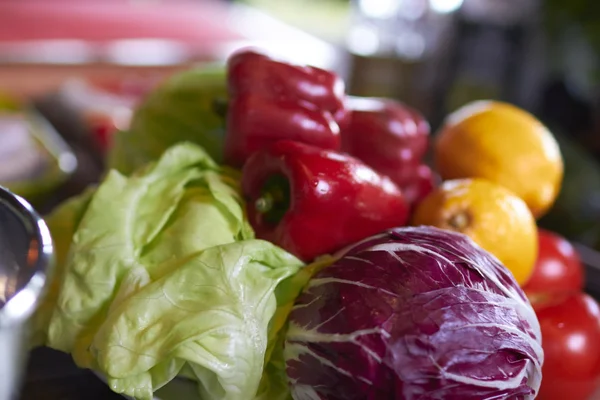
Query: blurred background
{"x":72,"y":71}
{"x":82,"y":65}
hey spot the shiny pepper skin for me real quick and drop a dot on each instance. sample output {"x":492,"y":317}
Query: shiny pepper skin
{"x":392,"y":138}
{"x":317,"y":201}
{"x":271,"y":100}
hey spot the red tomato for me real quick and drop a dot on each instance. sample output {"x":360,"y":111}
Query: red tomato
{"x":570,"y":325}
{"x":558,"y":267}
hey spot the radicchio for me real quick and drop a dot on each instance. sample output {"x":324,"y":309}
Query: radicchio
{"x":413,"y":313}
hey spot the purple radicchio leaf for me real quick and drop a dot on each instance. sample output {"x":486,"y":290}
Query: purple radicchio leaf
{"x":413,"y":313}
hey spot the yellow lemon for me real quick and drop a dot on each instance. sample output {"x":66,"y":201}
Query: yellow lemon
{"x":494,"y":217}
{"x":503,"y":144}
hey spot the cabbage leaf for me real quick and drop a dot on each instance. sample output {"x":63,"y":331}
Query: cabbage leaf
{"x":160,"y":274}
{"x":184,"y":108}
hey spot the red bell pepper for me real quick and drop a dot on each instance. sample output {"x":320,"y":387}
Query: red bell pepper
{"x":391,"y":138}
{"x":419,"y":184}
{"x":271,"y":100}
{"x":385,"y":133}
{"x":311,"y":201}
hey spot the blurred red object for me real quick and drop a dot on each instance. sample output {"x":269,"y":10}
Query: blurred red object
{"x":196,"y":23}
{"x":45,"y":42}
{"x":558,"y":267}
{"x":104,"y":107}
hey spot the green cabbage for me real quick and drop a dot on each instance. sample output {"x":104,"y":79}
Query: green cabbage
{"x":184,"y":108}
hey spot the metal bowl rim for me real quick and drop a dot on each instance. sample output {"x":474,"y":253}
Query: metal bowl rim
{"x":22,"y":304}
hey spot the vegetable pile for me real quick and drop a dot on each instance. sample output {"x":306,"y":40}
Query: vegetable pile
{"x":252,"y":236}
{"x":306,"y":166}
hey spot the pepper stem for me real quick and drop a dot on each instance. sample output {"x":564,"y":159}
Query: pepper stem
{"x":274,"y":201}
{"x":219,"y":106}
{"x":264,"y":204}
